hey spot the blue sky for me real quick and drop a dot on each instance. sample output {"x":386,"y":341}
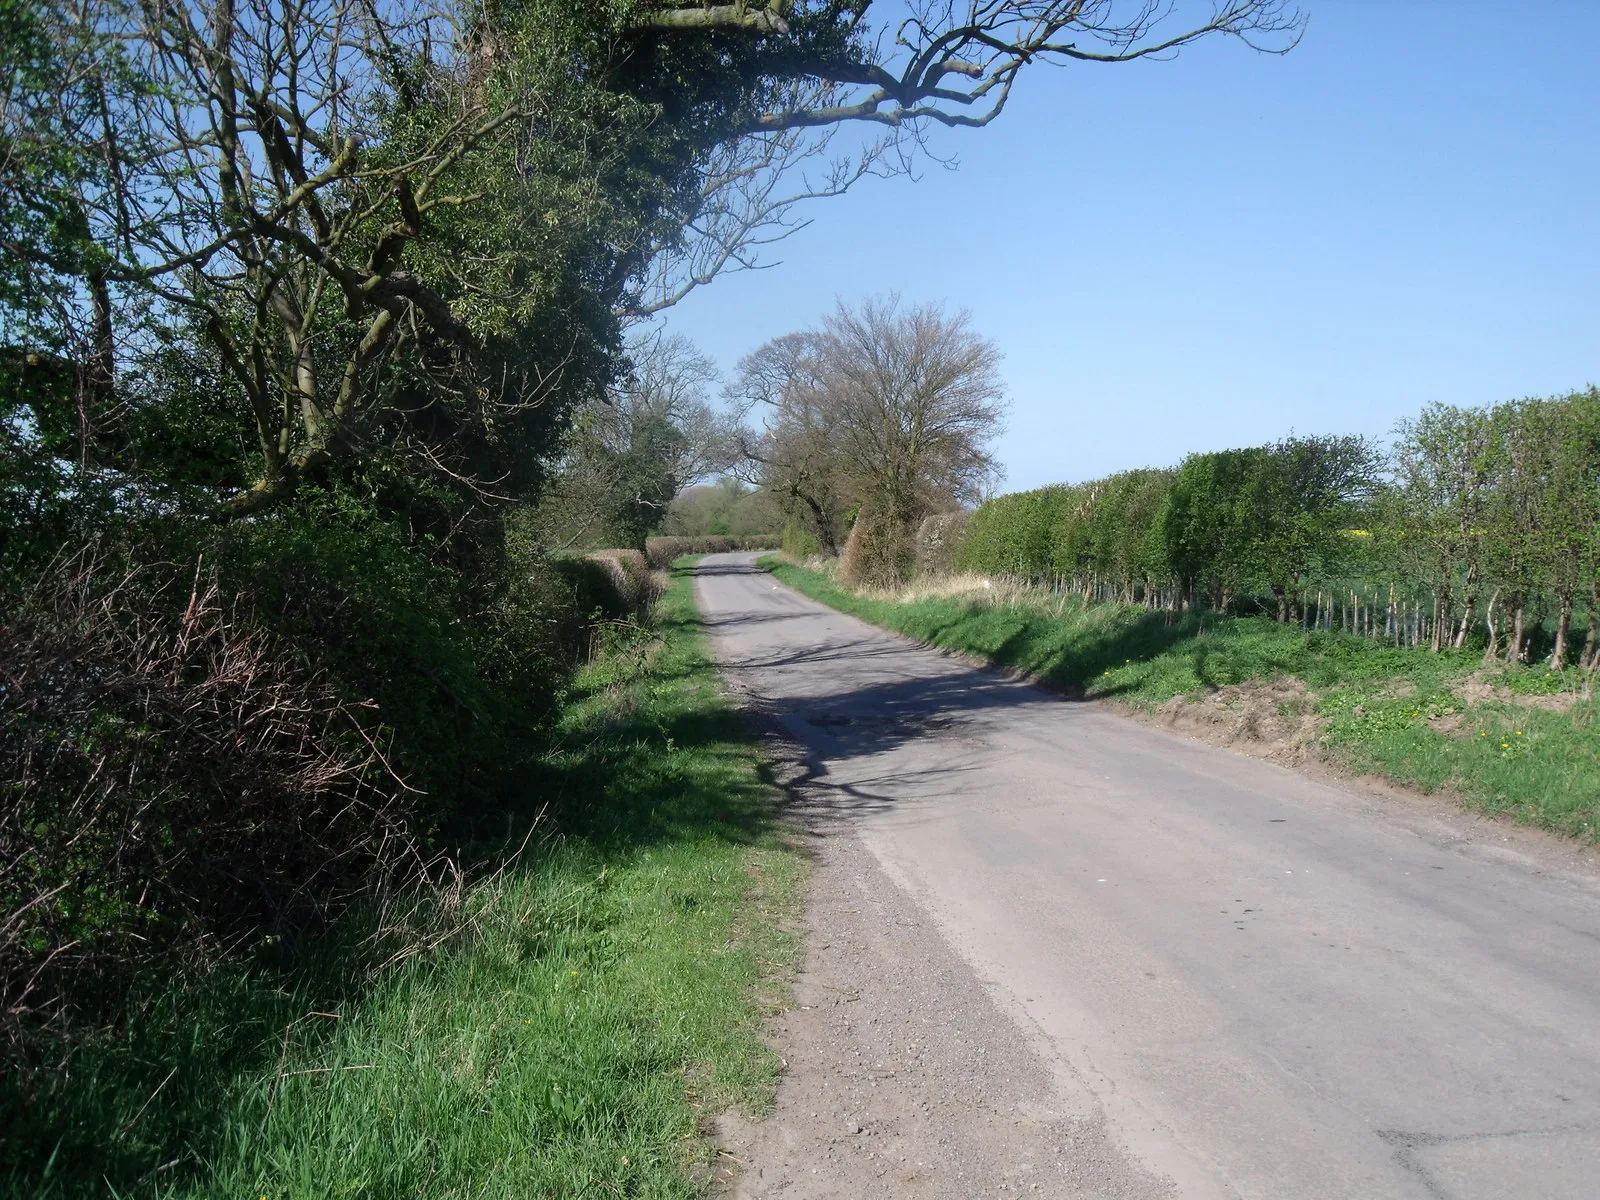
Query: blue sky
{"x":1229,"y":247}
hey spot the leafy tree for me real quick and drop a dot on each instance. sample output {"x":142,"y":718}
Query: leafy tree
{"x":1513,"y":542}
{"x":727,"y":508}
{"x":1542,"y":518}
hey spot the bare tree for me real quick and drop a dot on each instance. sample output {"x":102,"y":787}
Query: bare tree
{"x":954,"y":62}
{"x":886,"y":408}
{"x":638,"y":447}
{"x":920,"y":401}
{"x":671,"y":384}
{"x":789,"y":434}
{"x":750,"y":189}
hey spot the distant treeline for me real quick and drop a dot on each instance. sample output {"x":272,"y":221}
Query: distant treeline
{"x":1479,"y":523}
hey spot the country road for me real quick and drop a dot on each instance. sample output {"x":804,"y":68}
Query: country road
{"x":1069,"y":954}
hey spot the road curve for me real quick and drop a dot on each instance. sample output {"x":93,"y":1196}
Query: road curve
{"x":1266,"y":985}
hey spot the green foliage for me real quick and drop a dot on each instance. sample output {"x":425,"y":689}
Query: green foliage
{"x":1433,"y":721}
{"x":177,"y":784}
{"x":562,"y":1020}
{"x":559,"y":155}
{"x":615,"y":484}
{"x":799,"y":541}
{"x":1113,"y":532}
{"x":1205,"y":523}
{"x":461,"y":676}
{"x":628,"y":576}
{"x":1016,"y":534}
{"x":727,"y":508}
{"x":216,"y":770}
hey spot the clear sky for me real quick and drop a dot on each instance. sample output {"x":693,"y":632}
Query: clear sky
{"x":1223,"y":249}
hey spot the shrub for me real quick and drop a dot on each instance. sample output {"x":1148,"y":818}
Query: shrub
{"x":629,"y":574}
{"x":175,"y":782}
{"x":1016,"y":534}
{"x":878,"y":553}
{"x":196,"y":757}
{"x":940,"y":539}
{"x":351,"y":593}
{"x":800,"y":542}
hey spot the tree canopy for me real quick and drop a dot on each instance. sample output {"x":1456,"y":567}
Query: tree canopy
{"x":406,"y":237}
{"x":883,"y":409}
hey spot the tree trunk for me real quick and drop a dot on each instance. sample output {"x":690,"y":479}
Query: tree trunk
{"x":1492,"y":654}
{"x":1590,"y":656}
{"x":1444,"y":605}
{"x":1558,"y":660}
{"x":1469,"y":603}
{"x":97,"y":377}
{"x":1515,"y":650}
{"x":830,"y":544}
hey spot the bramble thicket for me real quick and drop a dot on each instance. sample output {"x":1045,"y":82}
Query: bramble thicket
{"x":1480,"y":526}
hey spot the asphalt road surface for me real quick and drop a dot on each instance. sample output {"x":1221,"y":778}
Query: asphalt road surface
{"x":1256,"y":983}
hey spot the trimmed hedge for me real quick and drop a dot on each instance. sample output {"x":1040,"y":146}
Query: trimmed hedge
{"x":661,"y":551}
{"x":628,"y":573}
{"x":1015,"y":535}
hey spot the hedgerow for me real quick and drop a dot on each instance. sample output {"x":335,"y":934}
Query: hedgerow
{"x":661,"y":551}
{"x":1478,"y":526}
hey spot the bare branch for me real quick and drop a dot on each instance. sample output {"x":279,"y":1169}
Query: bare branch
{"x":984,"y":41}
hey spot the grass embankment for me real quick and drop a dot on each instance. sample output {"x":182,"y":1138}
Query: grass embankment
{"x":561,"y":1027}
{"x":1521,"y":741}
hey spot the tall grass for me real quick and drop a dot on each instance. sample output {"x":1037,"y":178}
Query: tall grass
{"x":1518,"y":741}
{"x":558,"y":1022}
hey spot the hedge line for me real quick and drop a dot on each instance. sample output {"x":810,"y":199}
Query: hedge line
{"x":661,"y":551}
{"x":204,"y":752}
{"x":1479,"y":523}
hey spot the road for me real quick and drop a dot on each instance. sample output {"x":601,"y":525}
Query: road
{"x":1255,"y":982}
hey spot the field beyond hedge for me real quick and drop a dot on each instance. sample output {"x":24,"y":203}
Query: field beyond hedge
{"x":561,"y":1023}
{"x":1521,"y":742}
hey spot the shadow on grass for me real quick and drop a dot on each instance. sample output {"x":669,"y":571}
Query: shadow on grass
{"x":652,"y":757}
{"x":1068,"y":653}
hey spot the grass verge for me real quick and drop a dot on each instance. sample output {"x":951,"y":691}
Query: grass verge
{"x":559,"y":1024}
{"x":1521,"y":742}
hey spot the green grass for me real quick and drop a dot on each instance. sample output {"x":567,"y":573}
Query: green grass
{"x":562,"y":1026}
{"x":1397,"y":713}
